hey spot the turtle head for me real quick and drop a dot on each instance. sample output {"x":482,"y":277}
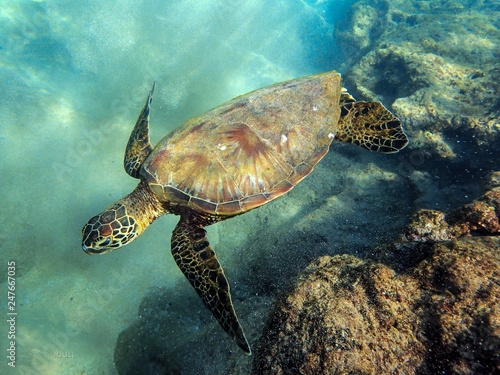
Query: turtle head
{"x":123,"y":221}
{"x":109,"y":230}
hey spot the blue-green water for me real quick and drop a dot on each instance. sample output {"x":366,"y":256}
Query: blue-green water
{"x":73,"y":78}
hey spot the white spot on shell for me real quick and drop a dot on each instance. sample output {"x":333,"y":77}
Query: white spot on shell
{"x":221,"y":147}
{"x":315,"y":108}
{"x":283,"y":138}
{"x":331,"y":135}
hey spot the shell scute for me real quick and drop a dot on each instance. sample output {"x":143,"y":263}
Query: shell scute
{"x":249,"y":150}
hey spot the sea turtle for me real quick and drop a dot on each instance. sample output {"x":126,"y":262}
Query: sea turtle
{"x":230,"y":160}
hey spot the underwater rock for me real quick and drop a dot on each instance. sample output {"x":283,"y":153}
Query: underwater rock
{"x":479,"y":217}
{"x":365,"y":22}
{"x":437,"y":70}
{"x":348,"y":315}
{"x":482,"y":216}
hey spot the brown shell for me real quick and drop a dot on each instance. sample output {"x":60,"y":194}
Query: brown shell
{"x":249,"y":150}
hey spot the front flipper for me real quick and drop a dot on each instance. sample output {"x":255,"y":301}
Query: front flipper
{"x":198,"y":263}
{"x":139,"y":146}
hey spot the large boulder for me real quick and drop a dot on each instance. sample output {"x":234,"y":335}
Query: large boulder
{"x":345,"y":315}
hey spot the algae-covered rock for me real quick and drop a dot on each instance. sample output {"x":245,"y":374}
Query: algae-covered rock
{"x":345,"y":315}
{"x":437,"y":69}
{"x":482,"y":216}
{"x":364,"y":23}
{"x":477,"y":218}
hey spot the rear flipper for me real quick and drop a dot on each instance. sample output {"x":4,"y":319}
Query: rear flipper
{"x":198,"y":263}
{"x":370,"y":125}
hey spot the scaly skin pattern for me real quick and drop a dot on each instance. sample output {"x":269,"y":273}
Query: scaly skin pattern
{"x":370,"y":125}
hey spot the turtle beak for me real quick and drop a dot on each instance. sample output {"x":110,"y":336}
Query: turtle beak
{"x":87,"y":249}
{"x":92,"y":251}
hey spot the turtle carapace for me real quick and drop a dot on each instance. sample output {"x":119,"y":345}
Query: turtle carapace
{"x":230,"y":160}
